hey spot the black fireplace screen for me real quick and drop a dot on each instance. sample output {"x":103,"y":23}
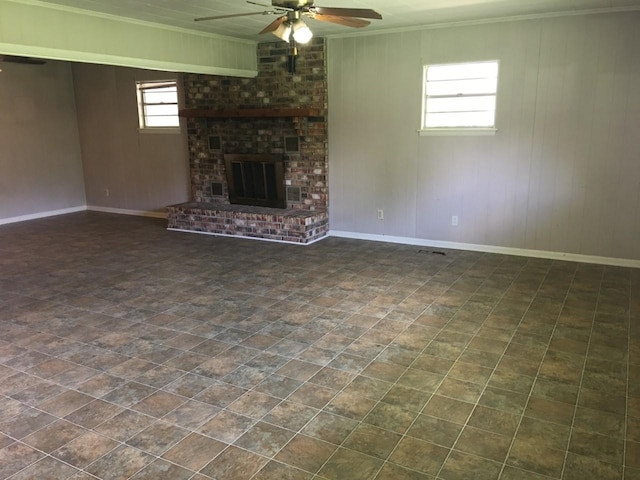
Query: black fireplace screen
{"x":255,"y":179}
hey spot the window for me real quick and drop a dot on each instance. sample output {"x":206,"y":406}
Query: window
{"x":158,"y":105}
{"x":460,"y":97}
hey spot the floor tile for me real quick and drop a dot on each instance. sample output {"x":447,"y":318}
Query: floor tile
{"x":161,"y":470}
{"x":460,"y":390}
{"x":461,"y":466}
{"x":306,"y":453}
{"x":120,"y":463}
{"x":53,"y":436}
{"x":26,"y":422}
{"x":503,"y":400}
{"x":188,"y":385}
{"x":279,"y":471}
{"x":5,"y":441}
{"x":157,"y":438}
{"x":469,"y":372}
{"x":194,"y":451}
{"x":578,"y":467}
{"x":514,"y":382}
{"x":606,"y":401}
{"x":85,"y":449}
{"x":390,"y":417}
{"x":536,"y":457}
{"x":391,"y":471}
{"x":350,"y":405}
{"x":550,"y":410}
{"x":420,"y":380}
{"x":600,"y":447}
{"x":596,"y":421}
{"x":372,"y":441}
{"x":46,"y":469}
{"x":484,"y":444}
{"x":234,"y":464}
{"x":330,"y":428}
{"x":191,"y":414}
{"x":407,"y":398}
{"x":64,"y":403}
{"x":290,"y":415}
{"x":94,"y":413}
{"x":371,"y":388}
{"x":264,"y":439}
{"x":495,"y":421}
{"x":254,"y":404}
{"x":435,"y":430}
{"x":350,"y":464}
{"x":278,"y":386}
{"x":129,"y":394}
{"x":451,"y":409}
{"x":124,"y":425}
{"x":539,"y":431}
{"x":100,"y":385}
{"x":419,"y":455}
{"x":220,"y":394}
{"x":512,"y":473}
{"x":227,"y":426}
{"x":16,"y":457}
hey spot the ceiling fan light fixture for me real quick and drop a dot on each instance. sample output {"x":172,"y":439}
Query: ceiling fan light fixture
{"x":283,"y":32}
{"x":301,"y":32}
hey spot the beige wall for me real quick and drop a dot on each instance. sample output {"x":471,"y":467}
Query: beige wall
{"x":40,"y":164}
{"x":142,"y":171}
{"x":562,"y":173}
{"x":46,"y":30}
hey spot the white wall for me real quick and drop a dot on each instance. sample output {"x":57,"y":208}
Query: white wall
{"x":40,"y":163}
{"x":142,"y":171}
{"x":562,"y":173}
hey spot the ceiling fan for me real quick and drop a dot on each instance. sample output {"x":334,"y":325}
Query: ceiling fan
{"x":290,"y":27}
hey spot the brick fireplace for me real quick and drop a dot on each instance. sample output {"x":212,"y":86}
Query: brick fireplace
{"x":278,"y":114}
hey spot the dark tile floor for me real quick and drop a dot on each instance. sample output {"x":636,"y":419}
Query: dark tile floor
{"x":127,"y":351}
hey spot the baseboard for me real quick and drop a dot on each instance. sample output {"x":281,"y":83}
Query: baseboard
{"x":521,"y":252}
{"x":83,"y":208}
{"x":247,"y":238}
{"x":34,"y":216}
{"x":123,"y":211}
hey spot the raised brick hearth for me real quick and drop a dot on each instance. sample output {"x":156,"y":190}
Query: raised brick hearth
{"x":284,"y":225}
{"x":229,"y":116}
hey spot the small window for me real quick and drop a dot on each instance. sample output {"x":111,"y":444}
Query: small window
{"x":460,"y":96}
{"x":158,"y":104}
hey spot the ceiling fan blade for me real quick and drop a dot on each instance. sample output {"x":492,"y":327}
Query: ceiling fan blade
{"x":219,"y":17}
{"x":345,"y":21}
{"x":347,"y":12}
{"x":23,"y":60}
{"x":273,"y":26}
{"x":259,"y":4}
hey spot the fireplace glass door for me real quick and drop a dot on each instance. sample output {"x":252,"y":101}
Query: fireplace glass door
{"x":255,"y":180}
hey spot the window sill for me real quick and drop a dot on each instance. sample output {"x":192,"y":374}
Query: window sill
{"x":457,"y":132}
{"x":160,"y":130}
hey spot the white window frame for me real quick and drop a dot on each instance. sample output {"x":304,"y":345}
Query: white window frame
{"x":455,"y":129}
{"x":148,"y":85}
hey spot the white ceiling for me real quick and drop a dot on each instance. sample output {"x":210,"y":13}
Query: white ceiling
{"x":396,"y":14}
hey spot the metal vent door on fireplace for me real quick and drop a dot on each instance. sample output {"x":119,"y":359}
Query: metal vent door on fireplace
{"x":255,"y":179}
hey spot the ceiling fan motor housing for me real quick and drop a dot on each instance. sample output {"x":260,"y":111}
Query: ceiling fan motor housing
{"x":292,"y":3}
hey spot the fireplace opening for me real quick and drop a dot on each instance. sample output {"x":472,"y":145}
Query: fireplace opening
{"x":255,"y":179}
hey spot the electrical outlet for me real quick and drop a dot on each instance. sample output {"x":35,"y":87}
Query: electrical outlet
{"x":454,"y":221}
{"x":380,"y":214}
{"x":106,"y":192}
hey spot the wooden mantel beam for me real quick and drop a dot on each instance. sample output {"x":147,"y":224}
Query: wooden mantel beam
{"x":250,"y":113}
